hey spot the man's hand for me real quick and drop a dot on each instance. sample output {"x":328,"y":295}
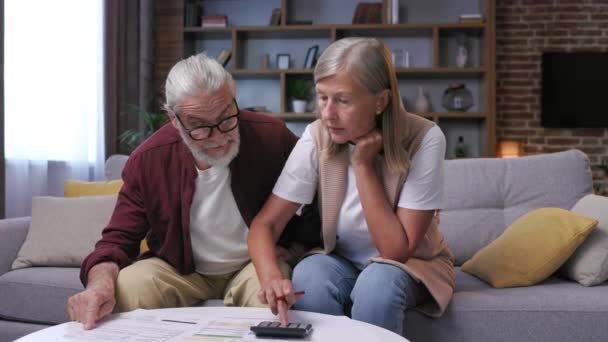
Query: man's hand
{"x":90,"y":305}
{"x":97,"y":300}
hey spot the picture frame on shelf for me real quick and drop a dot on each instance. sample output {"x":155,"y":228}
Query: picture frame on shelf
{"x":311,"y":57}
{"x":283,"y":61}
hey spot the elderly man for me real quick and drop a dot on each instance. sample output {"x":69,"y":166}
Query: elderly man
{"x":192,"y":190}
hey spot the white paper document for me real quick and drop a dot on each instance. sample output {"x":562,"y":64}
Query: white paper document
{"x":139,"y":325}
{"x":219,"y":324}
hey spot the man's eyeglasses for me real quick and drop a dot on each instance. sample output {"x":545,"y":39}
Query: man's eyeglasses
{"x":203,"y":132}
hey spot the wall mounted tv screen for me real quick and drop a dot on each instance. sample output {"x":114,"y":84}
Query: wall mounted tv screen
{"x":574,"y":89}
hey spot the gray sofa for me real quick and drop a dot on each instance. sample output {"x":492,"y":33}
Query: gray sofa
{"x":483,"y":196}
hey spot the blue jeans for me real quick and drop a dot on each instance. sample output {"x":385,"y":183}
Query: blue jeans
{"x":378,"y":295}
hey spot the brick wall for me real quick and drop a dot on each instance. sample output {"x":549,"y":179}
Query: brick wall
{"x":524,"y":29}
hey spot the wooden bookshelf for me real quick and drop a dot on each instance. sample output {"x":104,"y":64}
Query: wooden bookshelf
{"x":428,"y":32}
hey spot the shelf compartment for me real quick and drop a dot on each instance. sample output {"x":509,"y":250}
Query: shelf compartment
{"x":471,"y":129}
{"x":252,"y":49}
{"x":321,"y":11}
{"x":417,"y":43}
{"x":239,"y":12}
{"x":438,"y":11}
{"x":434,"y":88}
{"x":212,"y":42}
{"x":259,"y":91}
{"x":449,"y":40}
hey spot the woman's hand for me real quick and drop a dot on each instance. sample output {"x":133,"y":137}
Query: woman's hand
{"x":279,"y":295}
{"x":366,"y":148}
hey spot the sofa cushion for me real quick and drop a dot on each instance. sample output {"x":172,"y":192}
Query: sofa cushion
{"x":553,"y":310}
{"x":484,"y":196}
{"x":13,"y":232}
{"x":76,"y":188}
{"x":63,"y":231}
{"x":589,"y":263}
{"x":38,"y":294}
{"x":531,"y":249}
{"x":114,"y":166}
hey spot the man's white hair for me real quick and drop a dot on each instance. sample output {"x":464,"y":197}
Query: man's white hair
{"x":194,"y":75}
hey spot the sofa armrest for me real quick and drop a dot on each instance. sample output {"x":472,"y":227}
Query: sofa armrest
{"x":13,"y":232}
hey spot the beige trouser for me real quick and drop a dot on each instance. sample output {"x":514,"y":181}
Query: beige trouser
{"x":153,"y":283}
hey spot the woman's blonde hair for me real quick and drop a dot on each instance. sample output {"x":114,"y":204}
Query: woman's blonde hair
{"x":368,"y":62}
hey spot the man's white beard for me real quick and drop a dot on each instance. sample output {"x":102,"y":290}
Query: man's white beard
{"x":199,"y":155}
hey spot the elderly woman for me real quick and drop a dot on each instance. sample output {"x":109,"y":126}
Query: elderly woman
{"x":379,"y":173}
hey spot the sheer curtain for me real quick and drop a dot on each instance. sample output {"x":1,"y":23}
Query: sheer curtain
{"x":53,"y":97}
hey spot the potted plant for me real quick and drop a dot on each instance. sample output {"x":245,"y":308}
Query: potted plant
{"x":298,"y":90}
{"x":131,"y":138}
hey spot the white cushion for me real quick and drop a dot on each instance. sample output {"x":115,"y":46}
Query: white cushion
{"x":63,"y":231}
{"x":589,"y":263}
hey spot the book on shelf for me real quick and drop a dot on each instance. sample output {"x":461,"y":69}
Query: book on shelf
{"x":368,"y":13}
{"x":472,"y":18}
{"x":224,"y":56}
{"x":218,"y":20}
{"x":191,"y":14}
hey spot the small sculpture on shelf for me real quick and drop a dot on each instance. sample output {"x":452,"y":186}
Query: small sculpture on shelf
{"x":462,"y":52}
{"x":457,"y":98}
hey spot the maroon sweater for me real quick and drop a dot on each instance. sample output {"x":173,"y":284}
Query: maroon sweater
{"x":159,"y":180}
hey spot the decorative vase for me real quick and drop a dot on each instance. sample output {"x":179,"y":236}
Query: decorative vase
{"x":462,"y":55}
{"x":421,"y":105}
{"x":299,"y":106}
{"x":457,"y":98}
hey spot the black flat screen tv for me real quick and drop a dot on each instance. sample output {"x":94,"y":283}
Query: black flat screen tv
{"x":574,"y":89}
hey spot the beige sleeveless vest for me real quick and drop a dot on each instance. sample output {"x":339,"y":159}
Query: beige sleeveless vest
{"x":432,"y":262}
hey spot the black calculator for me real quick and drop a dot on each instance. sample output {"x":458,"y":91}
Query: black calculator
{"x":275,"y":329}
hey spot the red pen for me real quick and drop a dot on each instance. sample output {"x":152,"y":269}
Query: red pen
{"x":297,"y":294}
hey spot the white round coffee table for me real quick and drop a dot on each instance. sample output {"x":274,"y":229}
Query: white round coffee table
{"x":206,"y":324}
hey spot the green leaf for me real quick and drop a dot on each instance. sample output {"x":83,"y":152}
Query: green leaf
{"x":131,"y":138}
{"x":298,"y":88}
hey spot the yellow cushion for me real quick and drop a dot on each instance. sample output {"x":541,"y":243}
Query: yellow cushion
{"x":74,"y":188}
{"x":531,"y":248}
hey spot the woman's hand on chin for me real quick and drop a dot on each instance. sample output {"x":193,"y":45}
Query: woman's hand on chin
{"x":366,"y":148}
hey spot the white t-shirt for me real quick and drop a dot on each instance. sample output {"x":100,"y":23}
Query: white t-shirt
{"x":423,"y":190}
{"x":217,"y":230}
